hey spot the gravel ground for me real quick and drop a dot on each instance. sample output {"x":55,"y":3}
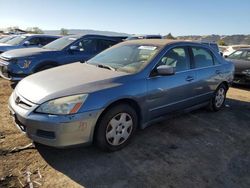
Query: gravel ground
{"x":197,"y":149}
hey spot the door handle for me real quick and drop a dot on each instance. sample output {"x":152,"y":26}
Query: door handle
{"x":189,"y":78}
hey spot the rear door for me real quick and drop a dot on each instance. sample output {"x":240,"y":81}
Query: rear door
{"x":172,"y":92}
{"x":208,"y":72}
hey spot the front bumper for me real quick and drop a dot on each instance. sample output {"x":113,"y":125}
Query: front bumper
{"x":53,"y":130}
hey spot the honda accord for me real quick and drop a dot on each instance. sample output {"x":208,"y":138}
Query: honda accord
{"x":128,"y":86}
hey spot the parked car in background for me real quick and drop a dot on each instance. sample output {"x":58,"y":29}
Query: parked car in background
{"x":27,"y":41}
{"x":125,"y":87}
{"x":135,"y":37}
{"x":233,"y":48}
{"x":16,"y":64}
{"x":6,"y":38}
{"x":223,"y":49}
{"x":241,"y":61}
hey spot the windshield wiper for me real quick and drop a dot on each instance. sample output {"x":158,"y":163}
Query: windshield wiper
{"x":106,"y":67}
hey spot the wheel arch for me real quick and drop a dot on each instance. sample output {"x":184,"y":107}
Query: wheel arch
{"x":131,"y":102}
{"x":44,"y":63}
{"x":226,"y":84}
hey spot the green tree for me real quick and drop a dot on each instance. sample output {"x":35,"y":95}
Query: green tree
{"x":169,"y":36}
{"x":34,"y":30}
{"x":221,"y":42}
{"x":64,"y":31}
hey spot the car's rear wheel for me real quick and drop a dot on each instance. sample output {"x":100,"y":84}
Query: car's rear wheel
{"x":116,"y":127}
{"x":218,"y":100}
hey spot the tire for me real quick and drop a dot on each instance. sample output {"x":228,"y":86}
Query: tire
{"x":219,"y":97}
{"x":116,"y":128}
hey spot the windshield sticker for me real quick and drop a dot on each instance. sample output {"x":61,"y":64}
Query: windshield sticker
{"x":72,"y":38}
{"x":147,"y":48}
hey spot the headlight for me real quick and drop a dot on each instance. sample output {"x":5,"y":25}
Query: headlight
{"x":63,"y":106}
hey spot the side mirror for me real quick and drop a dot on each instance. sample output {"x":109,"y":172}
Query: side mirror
{"x":26,"y":43}
{"x":225,"y":56}
{"x":73,"y":48}
{"x":165,"y":70}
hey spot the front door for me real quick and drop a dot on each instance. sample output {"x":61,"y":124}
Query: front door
{"x":85,"y":49}
{"x":171,"y":92}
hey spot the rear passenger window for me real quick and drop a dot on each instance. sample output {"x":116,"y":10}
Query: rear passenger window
{"x":104,"y":44}
{"x":46,"y":40}
{"x":176,"y":57}
{"x":202,"y":57}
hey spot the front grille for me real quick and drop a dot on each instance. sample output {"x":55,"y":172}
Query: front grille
{"x":20,"y":101}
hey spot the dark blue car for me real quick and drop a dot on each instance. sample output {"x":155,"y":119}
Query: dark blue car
{"x":26,"y":41}
{"x":16,"y":64}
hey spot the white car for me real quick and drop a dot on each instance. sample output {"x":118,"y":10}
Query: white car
{"x":233,"y":48}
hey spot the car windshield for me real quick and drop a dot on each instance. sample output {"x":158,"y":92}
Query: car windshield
{"x":127,"y":58}
{"x":60,"y":43}
{"x":5,"y":39}
{"x":16,"y":40}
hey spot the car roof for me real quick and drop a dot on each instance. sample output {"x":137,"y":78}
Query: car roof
{"x":91,"y":35}
{"x":42,"y":35}
{"x":244,"y":49}
{"x":158,"y":42}
{"x":239,"y":45}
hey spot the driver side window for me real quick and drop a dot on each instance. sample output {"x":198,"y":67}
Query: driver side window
{"x":177,"y":58}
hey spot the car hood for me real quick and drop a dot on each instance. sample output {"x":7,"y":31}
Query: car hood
{"x":4,"y":44}
{"x":24,"y":52}
{"x":7,"y":47}
{"x":66,"y":80}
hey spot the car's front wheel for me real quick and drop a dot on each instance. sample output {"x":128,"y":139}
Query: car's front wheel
{"x":116,"y":127}
{"x":218,"y":100}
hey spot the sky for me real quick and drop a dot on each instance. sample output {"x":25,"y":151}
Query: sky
{"x":180,"y":17}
